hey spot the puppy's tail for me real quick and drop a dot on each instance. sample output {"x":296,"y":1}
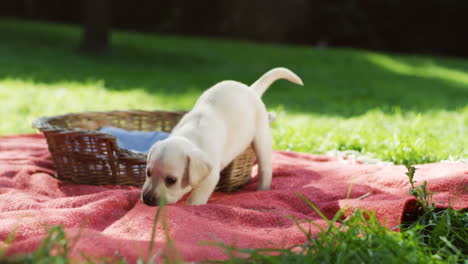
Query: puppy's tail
{"x":262,"y":84}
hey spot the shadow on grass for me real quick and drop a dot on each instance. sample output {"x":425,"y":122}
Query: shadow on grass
{"x":337,"y":82}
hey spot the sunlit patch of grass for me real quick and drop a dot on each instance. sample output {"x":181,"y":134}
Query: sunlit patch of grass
{"x":426,"y":69}
{"x":399,"y":137}
{"x":403,"y":109}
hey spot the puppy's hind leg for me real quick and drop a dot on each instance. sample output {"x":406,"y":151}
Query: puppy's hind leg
{"x":262,"y":144}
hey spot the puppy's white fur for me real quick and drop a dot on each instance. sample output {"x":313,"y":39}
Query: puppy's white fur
{"x":225,"y":120}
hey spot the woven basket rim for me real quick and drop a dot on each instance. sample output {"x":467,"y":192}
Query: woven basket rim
{"x":43,"y":122}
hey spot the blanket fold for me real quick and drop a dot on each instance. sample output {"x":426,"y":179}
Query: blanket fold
{"x":110,"y":219}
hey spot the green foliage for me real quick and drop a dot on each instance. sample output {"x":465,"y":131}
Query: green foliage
{"x":170,"y":253}
{"x":443,"y":232}
{"x":422,"y":195}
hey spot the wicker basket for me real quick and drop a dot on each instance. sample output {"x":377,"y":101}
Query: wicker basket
{"x":83,"y":155}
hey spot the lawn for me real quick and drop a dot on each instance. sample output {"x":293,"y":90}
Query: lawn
{"x":403,"y":109}
{"x":398,"y":108}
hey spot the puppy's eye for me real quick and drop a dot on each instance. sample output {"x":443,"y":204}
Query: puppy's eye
{"x":148,"y":173}
{"x":170,"y":180}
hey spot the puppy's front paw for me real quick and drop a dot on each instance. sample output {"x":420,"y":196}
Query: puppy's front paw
{"x":194,"y":201}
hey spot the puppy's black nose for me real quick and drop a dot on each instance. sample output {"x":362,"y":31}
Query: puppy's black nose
{"x":149,"y":199}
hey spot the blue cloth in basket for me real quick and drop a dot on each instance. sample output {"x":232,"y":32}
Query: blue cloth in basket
{"x":138,"y":141}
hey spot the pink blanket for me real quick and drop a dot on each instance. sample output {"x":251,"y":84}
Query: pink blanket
{"x":112,"y":219}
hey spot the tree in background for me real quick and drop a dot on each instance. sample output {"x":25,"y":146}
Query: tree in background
{"x":97,"y":26}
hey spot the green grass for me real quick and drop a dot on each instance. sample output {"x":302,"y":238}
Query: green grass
{"x":404,"y":109}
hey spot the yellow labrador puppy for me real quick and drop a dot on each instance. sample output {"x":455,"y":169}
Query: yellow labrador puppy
{"x":225,"y":120}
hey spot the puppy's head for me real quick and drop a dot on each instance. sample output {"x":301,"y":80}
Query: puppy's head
{"x":173,"y":168}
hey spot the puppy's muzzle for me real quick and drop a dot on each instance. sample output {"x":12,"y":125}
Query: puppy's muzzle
{"x":149,"y":199}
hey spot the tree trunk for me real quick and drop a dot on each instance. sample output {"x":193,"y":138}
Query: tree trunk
{"x":97,"y":26}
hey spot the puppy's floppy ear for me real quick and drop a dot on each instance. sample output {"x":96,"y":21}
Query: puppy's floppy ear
{"x":199,"y":167}
{"x":148,"y":156}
